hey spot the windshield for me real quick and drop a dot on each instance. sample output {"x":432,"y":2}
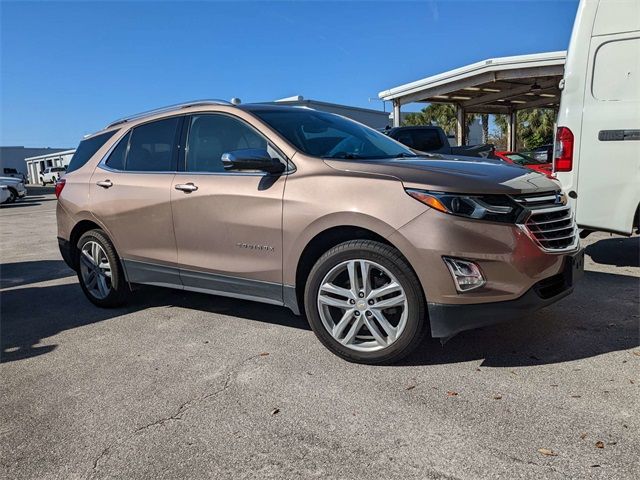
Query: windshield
{"x":326,"y":135}
{"x":521,"y":159}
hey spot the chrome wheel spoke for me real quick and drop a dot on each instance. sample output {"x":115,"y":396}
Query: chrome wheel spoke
{"x":342,"y":324}
{"x":353,"y":278}
{"x":389,"y":329}
{"x":353,"y":331}
{"x":87,"y":259}
{"x":336,"y":290}
{"x":365,"y":286}
{"x":333,"y":302}
{"x":387,"y":289}
{"x":375,"y":331}
{"x":102,"y":285}
{"x":391,"y":302}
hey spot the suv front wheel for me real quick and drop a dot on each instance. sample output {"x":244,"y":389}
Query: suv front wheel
{"x":99,"y":270}
{"x":365,"y":303}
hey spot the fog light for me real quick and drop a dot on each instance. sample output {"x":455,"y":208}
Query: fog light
{"x":466,"y":275}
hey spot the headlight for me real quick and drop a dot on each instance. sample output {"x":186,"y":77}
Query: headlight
{"x":493,"y":208}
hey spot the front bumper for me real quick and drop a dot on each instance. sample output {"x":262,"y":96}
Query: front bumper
{"x":449,"y":319}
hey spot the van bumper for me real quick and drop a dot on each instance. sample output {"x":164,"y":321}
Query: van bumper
{"x":449,"y":319}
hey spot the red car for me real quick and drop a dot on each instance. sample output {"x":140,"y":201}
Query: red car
{"x":526,"y":161}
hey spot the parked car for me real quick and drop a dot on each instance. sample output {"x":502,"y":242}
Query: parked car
{"x":526,"y":161}
{"x":5,"y":195}
{"x":12,"y":172}
{"x":432,"y":139}
{"x":316,"y":212}
{"x":15,"y":186}
{"x":52,"y":174}
{"x":597,"y":142}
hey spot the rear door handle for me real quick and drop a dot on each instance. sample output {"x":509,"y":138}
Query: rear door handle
{"x":186,"y":187}
{"x":105,"y":183}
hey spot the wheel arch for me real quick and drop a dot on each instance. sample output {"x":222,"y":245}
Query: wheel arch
{"x":325,"y":240}
{"x":77,"y":231}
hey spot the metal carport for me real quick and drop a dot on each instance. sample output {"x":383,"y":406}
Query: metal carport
{"x":497,"y":85}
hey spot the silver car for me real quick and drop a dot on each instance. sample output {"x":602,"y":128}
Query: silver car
{"x":15,"y":186}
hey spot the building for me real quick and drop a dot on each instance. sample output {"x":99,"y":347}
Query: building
{"x":14,"y":157}
{"x":35,"y":165}
{"x":372,"y":118}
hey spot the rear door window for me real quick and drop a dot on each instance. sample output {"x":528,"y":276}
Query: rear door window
{"x":152,"y":147}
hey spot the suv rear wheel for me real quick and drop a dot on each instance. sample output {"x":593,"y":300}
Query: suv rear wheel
{"x":364,"y":303}
{"x":99,"y":270}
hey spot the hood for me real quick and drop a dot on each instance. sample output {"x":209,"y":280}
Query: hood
{"x":453,"y":174}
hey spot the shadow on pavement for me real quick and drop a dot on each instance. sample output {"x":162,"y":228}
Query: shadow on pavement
{"x":24,"y":273}
{"x":599,"y":317}
{"x":621,"y":252}
{"x":31,"y":314}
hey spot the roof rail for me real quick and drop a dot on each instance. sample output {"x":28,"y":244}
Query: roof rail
{"x":194,"y":103}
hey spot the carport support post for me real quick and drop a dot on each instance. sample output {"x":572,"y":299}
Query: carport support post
{"x":461,"y":127}
{"x":513,"y":125}
{"x":396,"y":113}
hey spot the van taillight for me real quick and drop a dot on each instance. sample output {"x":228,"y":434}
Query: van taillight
{"x":59,"y":186}
{"x":563,"y":150}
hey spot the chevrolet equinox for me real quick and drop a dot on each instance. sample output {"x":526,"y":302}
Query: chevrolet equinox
{"x":374,"y":242}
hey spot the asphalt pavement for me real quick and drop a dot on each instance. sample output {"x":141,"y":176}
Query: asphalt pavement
{"x":185,"y":385}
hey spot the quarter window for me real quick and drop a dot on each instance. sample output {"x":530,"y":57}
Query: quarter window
{"x":212,"y":135}
{"x":152,"y":146}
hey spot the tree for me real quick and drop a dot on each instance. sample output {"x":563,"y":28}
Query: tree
{"x":534,"y":127}
{"x":442,"y":114}
{"x":485,"y":127}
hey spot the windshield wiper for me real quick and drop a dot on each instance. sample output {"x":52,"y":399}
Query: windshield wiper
{"x":406,"y":155}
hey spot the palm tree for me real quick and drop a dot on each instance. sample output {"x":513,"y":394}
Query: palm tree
{"x":442,"y":114}
{"x":534,"y":127}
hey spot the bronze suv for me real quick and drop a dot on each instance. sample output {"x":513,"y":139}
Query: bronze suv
{"x":374,"y":242}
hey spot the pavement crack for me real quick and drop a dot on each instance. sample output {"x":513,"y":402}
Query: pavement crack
{"x":177,"y":415}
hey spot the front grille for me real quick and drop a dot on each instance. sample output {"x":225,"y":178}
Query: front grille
{"x":550,"y":221}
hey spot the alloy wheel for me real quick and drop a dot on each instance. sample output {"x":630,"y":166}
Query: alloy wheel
{"x":95,"y":269}
{"x":362,"y":305}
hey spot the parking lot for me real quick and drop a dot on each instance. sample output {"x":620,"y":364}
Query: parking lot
{"x":184,"y":385}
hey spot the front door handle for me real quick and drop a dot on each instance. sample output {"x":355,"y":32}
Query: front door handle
{"x":105,"y":183}
{"x":186,"y":187}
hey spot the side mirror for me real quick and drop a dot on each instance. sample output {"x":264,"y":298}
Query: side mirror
{"x":252,"y":159}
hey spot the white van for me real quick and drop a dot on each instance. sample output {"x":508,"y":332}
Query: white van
{"x":597,"y":145}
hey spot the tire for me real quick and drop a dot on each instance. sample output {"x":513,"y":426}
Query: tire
{"x":13,"y":196}
{"x":405,"y":318}
{"x":117,"y":290}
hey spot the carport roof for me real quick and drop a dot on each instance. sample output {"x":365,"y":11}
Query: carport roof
{"x":496,"y":85}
